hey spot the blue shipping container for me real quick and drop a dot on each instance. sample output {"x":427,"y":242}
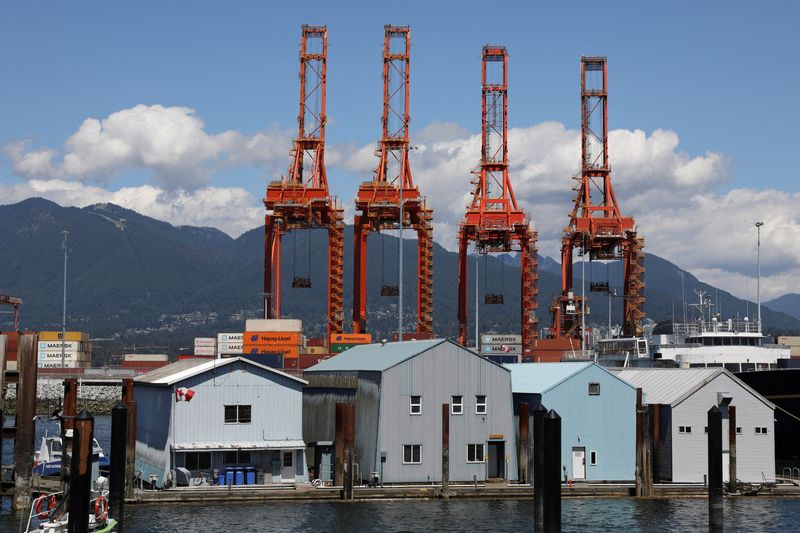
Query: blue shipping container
{"x":272,"y":360}
{"x":503,"y":359}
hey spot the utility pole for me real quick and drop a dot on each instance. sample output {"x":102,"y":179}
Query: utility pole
{"x":64,"y":308}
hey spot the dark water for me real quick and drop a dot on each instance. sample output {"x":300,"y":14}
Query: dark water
{"x":746,"y":514}
{"x":578,"y":514}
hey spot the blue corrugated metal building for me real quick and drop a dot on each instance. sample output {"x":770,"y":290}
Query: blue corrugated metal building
{"x":243,"y":416}
{"x":598,"y":416}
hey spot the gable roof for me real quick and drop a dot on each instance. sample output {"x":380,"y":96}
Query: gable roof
{"x":381,"y":356}
{"x":671,"y":386}
{"x":180,"y":370}
{"x":538,"y":378}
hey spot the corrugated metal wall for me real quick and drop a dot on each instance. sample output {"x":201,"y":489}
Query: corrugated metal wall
{"x":154,"y":406}
{"x":605,"y":423}
{"x":755,"y":453}
{"x":437,"y":375}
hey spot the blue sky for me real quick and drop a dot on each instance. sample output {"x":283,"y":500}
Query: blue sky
{"x":716,"y":74}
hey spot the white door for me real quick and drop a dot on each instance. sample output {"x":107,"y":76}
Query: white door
{"x":726,"y":466}
{"x":287,"y":467}
{"x":578,"y":463}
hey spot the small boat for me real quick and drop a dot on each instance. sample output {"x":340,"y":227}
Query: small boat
{"x":48,"y":514}
{"x":47,"y":460}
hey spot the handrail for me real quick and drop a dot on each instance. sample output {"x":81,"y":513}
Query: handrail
{"x":34,"y":504}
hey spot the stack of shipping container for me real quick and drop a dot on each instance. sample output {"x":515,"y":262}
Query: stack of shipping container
{"x":340,"y":342}
{"x":229,"y":344}
{"x":74,"y":346}
{"x":273,"y":342}
{"x":205,"y":346}
{"x":501,"y":348}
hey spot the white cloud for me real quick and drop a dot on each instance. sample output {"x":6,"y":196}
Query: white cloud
{"x":232,"y":210}
{"x":169,"y":142}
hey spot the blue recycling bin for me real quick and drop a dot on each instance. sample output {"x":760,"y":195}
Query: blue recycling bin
{"x":229,"y":479}
{"x":250,"y":475}
{"x":239,"y":476}
{"x":220,"y":478}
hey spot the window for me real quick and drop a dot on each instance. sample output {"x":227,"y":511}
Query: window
{"x":684,"y":429}
{"x":457,"y":407}
{"x":480,"y":405}
{"x":706,"y":430}
{"x":739,"y":430}
{"x":232,"y":457}
{"x":288,"y":459}
{"x":474,"y":453}
{"x":237,"y":414}
{"x":592,"y":457}
{"x":761,"y":431}
{"x":197,"y":460}
{"x":416,"y":405}
{"x":594,"y":389}
{"x":412,"y":454}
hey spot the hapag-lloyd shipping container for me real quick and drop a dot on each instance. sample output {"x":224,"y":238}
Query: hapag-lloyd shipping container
{"x":266,"y":338}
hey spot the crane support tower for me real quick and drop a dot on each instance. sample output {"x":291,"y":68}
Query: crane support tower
{"x":15,"y":303}
{"x":391,"y":192}
{"x":596,"y":226}
{"x":301,"y":199}
{"x":493,"y":221}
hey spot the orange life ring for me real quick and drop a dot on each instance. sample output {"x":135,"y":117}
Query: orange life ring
{"x":100,"y":509}
{"x":51,"y":504}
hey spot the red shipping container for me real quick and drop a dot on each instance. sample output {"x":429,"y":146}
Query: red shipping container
{"x":307,"y":360}
{"x":315,"y":342}
{"x":182,"y":357}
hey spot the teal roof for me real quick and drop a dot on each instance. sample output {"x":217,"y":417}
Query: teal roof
{"x":536,"y":378}
{"x":375,"y":357}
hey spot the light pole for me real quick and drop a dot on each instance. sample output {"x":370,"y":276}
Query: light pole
{"x":400,"y":271}
{"x":758,"y":279}
{"x":64,"y":308}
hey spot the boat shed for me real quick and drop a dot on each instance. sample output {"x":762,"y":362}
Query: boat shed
{"x":243,"y":421}
{"x":598,"y":416}
{"x":398,"y":390}
{"x":679,"y":400}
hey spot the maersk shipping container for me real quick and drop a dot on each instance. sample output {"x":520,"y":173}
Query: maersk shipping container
{"x":503,"y":359}
{"x":230,"y":337}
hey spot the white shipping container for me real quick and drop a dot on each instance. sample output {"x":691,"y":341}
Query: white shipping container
{"x":56,"y":345}
{"x":794,"y":351}
{"x":205,"y":341}
{"x":205,"y":350}
{"x":230,"y":337}
{"x":501,"y":349}
{"x":67,"y":364}
{"x":230,"y":347}
{"x":274,"y":324}
{"x":145,"y":357}
{"x":498,"y":338}
{"x":68,"y":356}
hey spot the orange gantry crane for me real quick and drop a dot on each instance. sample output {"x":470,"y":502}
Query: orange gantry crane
{"x":301,"y":199}
{"x":493,"y":221}
{"x":596,"y":226}
{"x":391,"y":194}
{"x":15,"y":303}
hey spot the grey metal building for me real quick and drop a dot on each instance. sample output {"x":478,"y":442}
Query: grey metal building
{"x":679,"y":400}
{"x":398,"y":390}
{"x":242,"y":414}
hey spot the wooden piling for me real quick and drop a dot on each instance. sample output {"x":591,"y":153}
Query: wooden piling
{"x":69,"y":409}
{"x":81,"y":474}
{"x":538,"y":467}
{"x":644,"y":477}
{"x":522,"y":444}
{"x":551,"y":489}
{"x":25,"y":424}
{"x":732,"y":487}
{"x":445,"y":450}
{"x":130,"y":448}
{"x":119,"y":442}
{"x":715,"y":520}
{"x":349,"y":446}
